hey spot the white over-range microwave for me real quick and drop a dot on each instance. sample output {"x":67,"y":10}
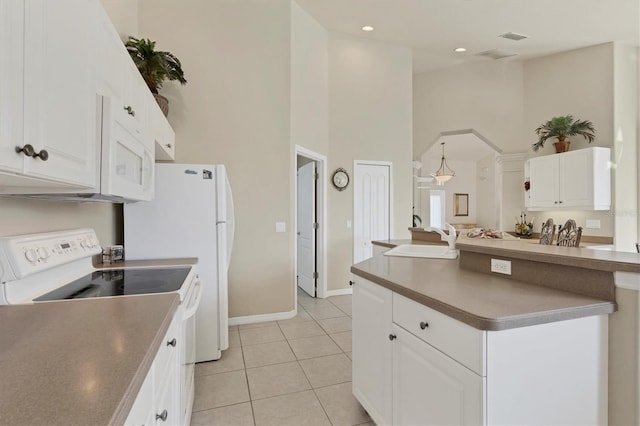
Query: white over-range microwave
{"x":126,"y":158}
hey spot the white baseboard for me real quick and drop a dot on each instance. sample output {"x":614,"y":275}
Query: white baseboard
{"x":251,"y":319}
{"x":340,"y":292}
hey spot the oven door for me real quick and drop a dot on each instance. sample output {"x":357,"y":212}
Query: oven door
{"x":188,"y":358}
{"x":127,"y":159}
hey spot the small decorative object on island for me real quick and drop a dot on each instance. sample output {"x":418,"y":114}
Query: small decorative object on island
{"x":524,"y":229}
{"x":560,"y":128}
{"x":155,"y":66}
{"x":569,"y":234}
{"x":547,"y":232}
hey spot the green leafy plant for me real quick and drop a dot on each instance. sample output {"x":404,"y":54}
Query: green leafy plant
{"x":561,"y":127}
{"x":155,"y":66}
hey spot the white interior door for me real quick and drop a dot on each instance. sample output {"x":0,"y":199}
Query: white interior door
{"x":306,"y":231}
{"x":371,"y":208}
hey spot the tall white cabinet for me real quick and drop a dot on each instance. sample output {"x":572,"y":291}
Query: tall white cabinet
{"x":572,"y":180}
{"x":413,"y":365}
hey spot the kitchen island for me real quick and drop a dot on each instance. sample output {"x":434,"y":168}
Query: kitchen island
{"x":450,"y":342}
{"x":79,"y":362}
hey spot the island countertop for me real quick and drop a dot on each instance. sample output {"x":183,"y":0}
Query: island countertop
{"x":78,"y":361}
{"x":486,"y":302}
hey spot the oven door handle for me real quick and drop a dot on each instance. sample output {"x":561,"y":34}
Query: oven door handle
{"x":195,"y":301}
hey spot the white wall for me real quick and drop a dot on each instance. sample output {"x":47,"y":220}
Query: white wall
{"x":484,"y":96}
{"x":309,"y":82}
{"x":586,"y":87}
{"x":235,"y":110}
{"x":370,"y":118}
{"x":625,"y":144}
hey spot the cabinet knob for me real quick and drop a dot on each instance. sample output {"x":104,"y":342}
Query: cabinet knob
{"x":43,"y":154}
{"x":351,"y":283}
{"x":555,"y":202}
{"x":560,"y":202}
{"x":392,"y":337}
{"x":172,"y":342}
{"x":27,"y":149}
{"x":168,"y":145}
{"x":162,"y":416}
{"x":424,"y":324}
{"x":130,"y":111}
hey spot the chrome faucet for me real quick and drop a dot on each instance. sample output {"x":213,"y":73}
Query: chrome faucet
{"x":450,"y":239}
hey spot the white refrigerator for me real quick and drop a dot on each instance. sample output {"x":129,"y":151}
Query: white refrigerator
{"x":190,"y":216}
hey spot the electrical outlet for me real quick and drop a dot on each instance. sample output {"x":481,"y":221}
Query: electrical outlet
{"x":593,"y":223}
{"x":501,"y":266}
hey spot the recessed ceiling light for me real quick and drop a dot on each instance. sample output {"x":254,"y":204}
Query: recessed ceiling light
{"x":367,"y":28}
{"x":459,"y":49}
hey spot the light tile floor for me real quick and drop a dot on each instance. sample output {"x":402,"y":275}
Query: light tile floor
{"x":293,"y":372}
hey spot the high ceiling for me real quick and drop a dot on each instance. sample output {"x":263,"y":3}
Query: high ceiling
{"x":434,"y":28}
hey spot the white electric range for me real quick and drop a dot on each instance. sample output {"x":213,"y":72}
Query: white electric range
{"x":57,"y":266}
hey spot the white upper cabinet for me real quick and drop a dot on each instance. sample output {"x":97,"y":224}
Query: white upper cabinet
{"x":578,"y":180}
{"x":163,"y":134}
{"x":60,"y":103}
{"x":11,"y":82}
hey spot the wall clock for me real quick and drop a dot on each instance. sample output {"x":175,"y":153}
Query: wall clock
{"x":340,"y":179}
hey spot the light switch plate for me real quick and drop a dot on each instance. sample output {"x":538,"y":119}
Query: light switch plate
{"x":349,"y":223}
{"x":501,"y":266}
{"x":281,"y":227}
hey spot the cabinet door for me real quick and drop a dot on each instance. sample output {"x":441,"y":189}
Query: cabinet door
{"x":576,"y":178}
{"x":372,"y":349}
{"x":543,"y":172}
{"x":112,"y":59}
{"x":60,"y":90}
{"x":11,"y":69}
{"x":429,"y":388}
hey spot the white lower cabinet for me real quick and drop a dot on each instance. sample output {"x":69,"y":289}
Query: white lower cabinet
{"x":371,"y":351}
{"x":158,"y":401}
{"x":413,"y":365}
{"x":429,"y":388}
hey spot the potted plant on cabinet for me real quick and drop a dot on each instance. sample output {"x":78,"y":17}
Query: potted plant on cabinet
{"x":560,"y":128}
{"x":155,"y":66}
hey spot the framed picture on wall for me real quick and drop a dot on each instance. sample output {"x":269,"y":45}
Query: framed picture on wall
{"x":461,"y":204}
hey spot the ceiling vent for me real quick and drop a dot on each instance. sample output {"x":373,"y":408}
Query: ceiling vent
{"x":513,"y":36}
{"x":496,"y":54}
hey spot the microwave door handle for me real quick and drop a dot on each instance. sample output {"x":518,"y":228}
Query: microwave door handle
{"x":195,"y":301}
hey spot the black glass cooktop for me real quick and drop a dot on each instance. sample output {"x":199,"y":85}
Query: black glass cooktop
{"x":120,"y":282}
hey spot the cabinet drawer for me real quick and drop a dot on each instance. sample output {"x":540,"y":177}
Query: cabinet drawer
{"x":167,"y":353}
{"x":459,"y":341}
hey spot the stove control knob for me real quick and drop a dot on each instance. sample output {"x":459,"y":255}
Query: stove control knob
{"x":43,"y":253}
{"x":92,"y":242}
{"x":31,"y":255}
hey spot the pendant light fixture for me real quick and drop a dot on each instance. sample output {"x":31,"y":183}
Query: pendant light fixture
{"x":444,"y":173}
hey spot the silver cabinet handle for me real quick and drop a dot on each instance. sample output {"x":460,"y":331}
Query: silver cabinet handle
{"x":162,"y":416}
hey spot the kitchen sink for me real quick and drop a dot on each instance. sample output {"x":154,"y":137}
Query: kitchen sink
{"x":429,"y":251}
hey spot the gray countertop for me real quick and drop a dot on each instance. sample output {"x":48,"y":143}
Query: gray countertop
{"x":582,"y":257}
{"x":78,"y":361}
{"x":486,"y":302}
